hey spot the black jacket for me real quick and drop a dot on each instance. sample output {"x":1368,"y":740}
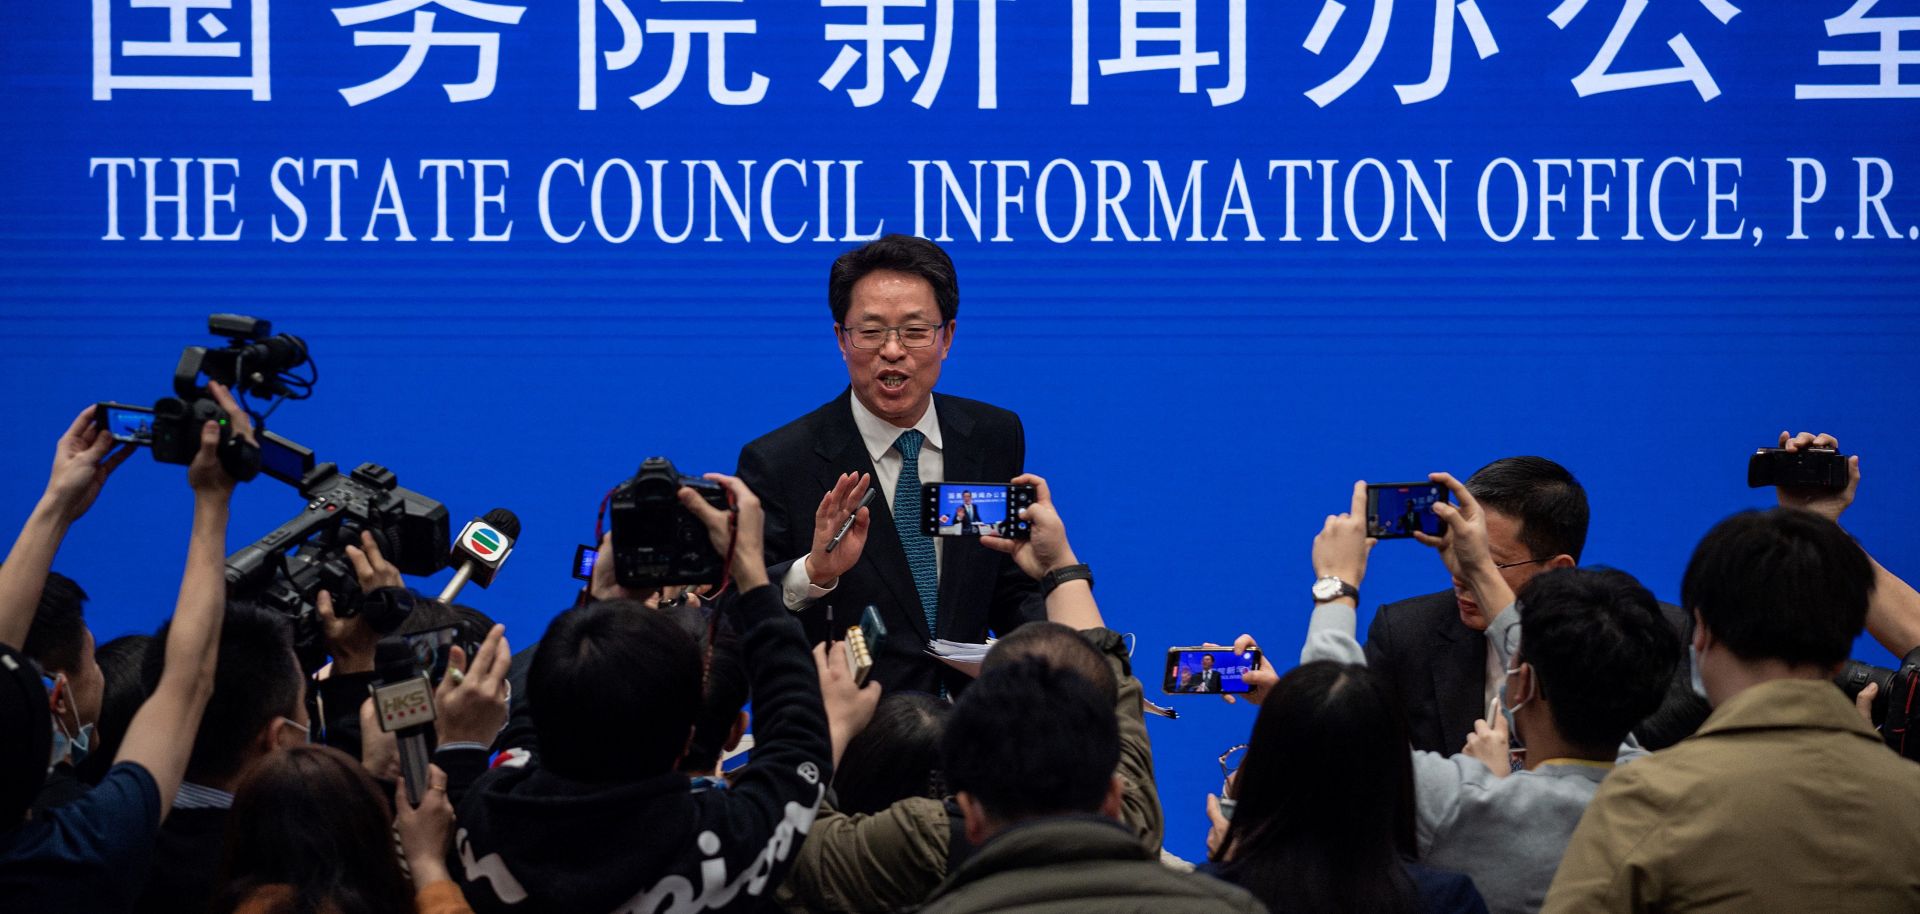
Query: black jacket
{"x":1438,"y":666}
{"x":186,"y":862}
{"x":530,"y":840}
{"x":792,"y":467}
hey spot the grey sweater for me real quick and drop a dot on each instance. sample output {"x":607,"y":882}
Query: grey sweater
{"x":1508,"y":833}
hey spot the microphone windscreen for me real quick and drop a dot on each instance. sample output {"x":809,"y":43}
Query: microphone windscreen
{"x":393,"y":660}
{"x":504,"y":521}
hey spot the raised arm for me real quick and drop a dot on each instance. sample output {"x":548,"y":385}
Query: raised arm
{"x":81,"y":464}
{"x":1893,"y":615}
{"x":1045,"y":550}
{"x":160,"y":736}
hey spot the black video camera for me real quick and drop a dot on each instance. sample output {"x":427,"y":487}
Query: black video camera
{"x":656,"y":540}
{"x":254,"y":363}
{"x":1897,"y":708}
{"x":286,"y":569}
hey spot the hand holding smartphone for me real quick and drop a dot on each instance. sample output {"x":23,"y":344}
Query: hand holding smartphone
{"x":1208,"y":670}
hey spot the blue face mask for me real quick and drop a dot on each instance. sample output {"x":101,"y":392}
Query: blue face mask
{"x":69,"y":748}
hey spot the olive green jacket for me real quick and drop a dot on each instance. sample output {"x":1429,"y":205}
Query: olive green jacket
{"x":1079,"y":865}
{"x":1785,"y":800}
{"x":893,"y":859}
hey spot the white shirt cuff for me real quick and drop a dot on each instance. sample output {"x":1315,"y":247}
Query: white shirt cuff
{"x":798,"y":591}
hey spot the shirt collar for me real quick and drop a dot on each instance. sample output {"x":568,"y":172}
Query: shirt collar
{"x":195,"y":796}
{"x":878,"y":434}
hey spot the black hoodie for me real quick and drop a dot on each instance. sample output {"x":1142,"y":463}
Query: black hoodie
{"x":528,"y":840}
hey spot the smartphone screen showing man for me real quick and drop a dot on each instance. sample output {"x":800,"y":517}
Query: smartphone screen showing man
{"x":1397,"y":510}
{"x":1208,"y":670}
{"x":974,"y":509}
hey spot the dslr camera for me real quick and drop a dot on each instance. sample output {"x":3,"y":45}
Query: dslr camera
{"x":1896,"y":709}
{"x":286,"y":569}
{"x":656,"y":540}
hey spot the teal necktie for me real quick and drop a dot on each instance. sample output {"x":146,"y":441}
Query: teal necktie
{"x":906,"y":522}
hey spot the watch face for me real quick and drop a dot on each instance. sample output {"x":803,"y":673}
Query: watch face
{"x":1326,"y":589}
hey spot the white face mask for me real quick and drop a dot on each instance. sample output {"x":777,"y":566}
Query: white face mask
{"x":1508,"y":711}
{"x":1693,"y":668}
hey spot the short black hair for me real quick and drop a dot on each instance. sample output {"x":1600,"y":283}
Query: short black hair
{"x":613,"y":691}
{"x":725,"y":694}
{"x":256,"y":680}
{"x":59,"y":628}
{"x":28,"y":724}
{"x":1030,"y":739}
{"x":1602,"y":652}
{"x":901,"y":254}
{"x":120,"y":668}
{"x":896,"y":757}
{"x":1782,"y":584}
{"x":1549,"y":503}
{"x":1059,"y":646}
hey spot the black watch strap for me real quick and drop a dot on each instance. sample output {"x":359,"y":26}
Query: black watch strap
{"x":1053,"y":579}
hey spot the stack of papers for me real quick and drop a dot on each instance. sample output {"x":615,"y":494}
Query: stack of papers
{"x":960,"y":655}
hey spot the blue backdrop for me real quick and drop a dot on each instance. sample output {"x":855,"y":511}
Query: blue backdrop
{"x":1224,"y":257}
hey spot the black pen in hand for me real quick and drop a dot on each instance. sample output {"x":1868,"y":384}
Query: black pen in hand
{"x":848,"y":523}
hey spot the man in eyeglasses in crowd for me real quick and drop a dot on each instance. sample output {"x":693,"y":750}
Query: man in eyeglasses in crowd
{"x":1433,"y":649}
{"x":894,"y":304}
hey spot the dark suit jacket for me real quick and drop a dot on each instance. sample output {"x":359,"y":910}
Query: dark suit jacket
{"x":1206,"y":681}
{"x":1437,"y":665}
{"x":186,"y":862}
{"x":792,"y":467}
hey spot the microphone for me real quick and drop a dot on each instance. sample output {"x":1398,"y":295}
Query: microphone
{"x":403,"y":700}
{"x":481,"y":549}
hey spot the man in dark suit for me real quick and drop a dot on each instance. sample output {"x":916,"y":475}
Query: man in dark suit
{"x":1432,"y":649}
{"x":1208,"y":679}
{"x":894,"y":305}
{"x":967,"y":515}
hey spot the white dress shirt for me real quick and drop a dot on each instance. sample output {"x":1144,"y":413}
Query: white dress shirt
{"x":879,"y":435}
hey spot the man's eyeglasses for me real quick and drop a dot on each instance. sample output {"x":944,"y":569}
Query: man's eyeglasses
{"x":1516,"y":564}
{"x":912,"y":336}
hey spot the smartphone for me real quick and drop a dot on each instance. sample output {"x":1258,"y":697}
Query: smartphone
{"x":127,"y":424}
{"x":583,"y":559}
{"x":864,"y":642}
{"x":974,"y":509}
{"x":1395,"y":510}
{"x":430,"y":651}
{"x":1208,"y":670}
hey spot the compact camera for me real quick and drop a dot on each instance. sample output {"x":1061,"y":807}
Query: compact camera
{"x":1809,"y":468}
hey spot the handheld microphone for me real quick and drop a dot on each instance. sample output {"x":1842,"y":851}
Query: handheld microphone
{"x":481,"y":549}
{"x":403,"y":699}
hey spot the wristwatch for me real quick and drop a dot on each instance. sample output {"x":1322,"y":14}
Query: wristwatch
{"x":1059,"y":576}
{"x":1330,"y":588}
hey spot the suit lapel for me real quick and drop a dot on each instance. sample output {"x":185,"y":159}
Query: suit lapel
{"x":1459,"y":680}
{"x":842,"y":450}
